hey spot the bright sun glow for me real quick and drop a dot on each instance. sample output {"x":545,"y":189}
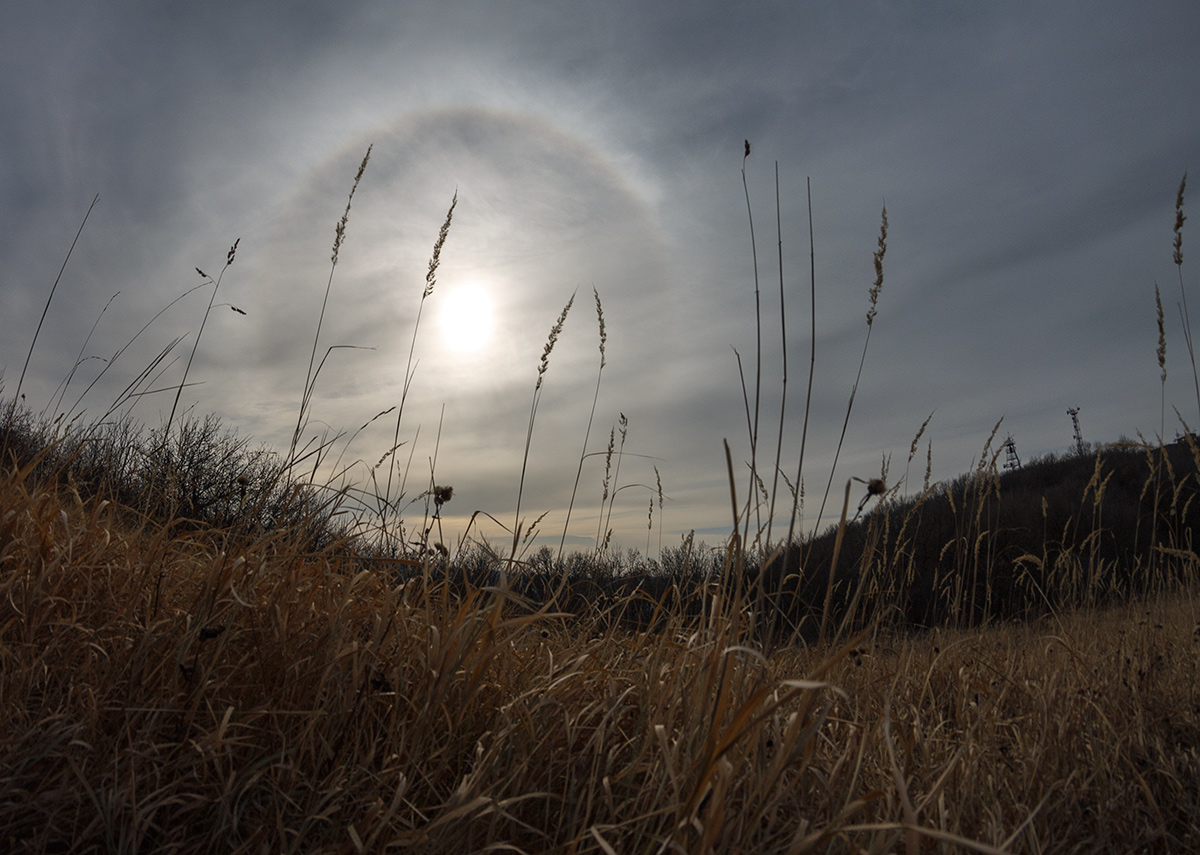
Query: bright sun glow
{"x":467,"y":318}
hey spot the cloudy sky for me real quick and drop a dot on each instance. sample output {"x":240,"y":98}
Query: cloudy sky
{"x":1028,"y":154}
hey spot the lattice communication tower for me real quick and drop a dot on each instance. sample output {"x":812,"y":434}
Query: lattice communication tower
{"x":1073,"y":412}
{"x":1011,"y":460}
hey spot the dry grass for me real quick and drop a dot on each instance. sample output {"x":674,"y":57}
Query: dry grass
{"x":1080,"y":734}
{"x":163,"y":694}
{"x":213,"y":671}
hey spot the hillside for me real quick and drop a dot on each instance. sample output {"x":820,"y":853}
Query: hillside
{"x":171,"y":685}
{"x":1058,"y":533}
{"x":993,"y":545}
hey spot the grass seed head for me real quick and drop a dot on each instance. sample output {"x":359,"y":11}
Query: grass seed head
{"x":600,"y":319}
{"x":436,"y":258}
{"x":1162,"y":335}
{"x":340,"y":231}
{"x":879,"y":253}
{"x":1179,"y":219}
{"x":555,"y":331}
{"x":608,"y":455}
{"x":912,"y":449}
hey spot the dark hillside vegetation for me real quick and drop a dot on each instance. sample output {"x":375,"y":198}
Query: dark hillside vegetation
{"x":203,"y":477}
{"x":1059,"y":533}
{"x":1056,"y":534}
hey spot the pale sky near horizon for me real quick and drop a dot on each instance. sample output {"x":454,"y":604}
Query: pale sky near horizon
{"x":1028,"y":154}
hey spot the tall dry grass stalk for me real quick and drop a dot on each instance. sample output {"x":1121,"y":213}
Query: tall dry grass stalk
{"x":1177,"y":256}
{"x":11,"y":415}
{"x":310,"y":376}
{"x":56,"y":397}
{"x":873,"y":298}
{"x":623,"y":430}
{"x":783,"y":355}
{"x":752,"y":424}
{"x":797,"y":492}
{"x":50,"y":298}
{"x":1162,"y":364}
{"x":591,"y":417}
{"x":659,"y":491}
{"x":229,"y":257}
{"x":386,"y":503}
{"x":608,"y":456}
{"x":543,"y":366}
{"x":133,"y":391}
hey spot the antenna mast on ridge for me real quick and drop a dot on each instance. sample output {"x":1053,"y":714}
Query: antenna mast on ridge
{"x":1073,"y":412}
{"x":1012,"y":461}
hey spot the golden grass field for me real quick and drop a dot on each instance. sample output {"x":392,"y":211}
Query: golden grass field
{"x":178,"y":692}
{"x":197,"y":666}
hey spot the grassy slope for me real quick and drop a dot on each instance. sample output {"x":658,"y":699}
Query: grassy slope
{"x":191,"y":660}
{"x":168,"y":689}
{"x":1058,"y":533}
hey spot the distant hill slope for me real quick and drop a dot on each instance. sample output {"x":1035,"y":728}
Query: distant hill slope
{"x":1057,"y":533}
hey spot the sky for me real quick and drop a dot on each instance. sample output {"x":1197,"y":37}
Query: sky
{"x":1028,"y":155}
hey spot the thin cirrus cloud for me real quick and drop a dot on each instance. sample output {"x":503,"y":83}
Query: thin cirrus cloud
{"x":1028,"y":157}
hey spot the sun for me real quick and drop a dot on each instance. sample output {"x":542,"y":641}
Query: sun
{"x":467,"y":317}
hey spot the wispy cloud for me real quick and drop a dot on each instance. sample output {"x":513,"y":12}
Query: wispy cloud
{"x":1028,"y":156}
